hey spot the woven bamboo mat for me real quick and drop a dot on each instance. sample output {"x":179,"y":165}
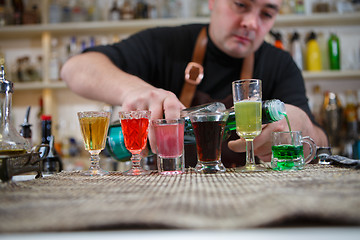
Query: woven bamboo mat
{"x":70,"y":202}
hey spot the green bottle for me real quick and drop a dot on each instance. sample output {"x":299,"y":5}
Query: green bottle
{"x":272,"y":110}
{"x":334,"y":52}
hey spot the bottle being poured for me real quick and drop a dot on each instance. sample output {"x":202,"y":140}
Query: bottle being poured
{"x":11,"y":142}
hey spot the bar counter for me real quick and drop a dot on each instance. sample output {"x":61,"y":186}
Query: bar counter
{"x":68,"y":202}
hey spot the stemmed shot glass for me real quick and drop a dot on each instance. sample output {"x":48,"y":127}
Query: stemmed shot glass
{"x":247,"y":96}
{"x":135,"y":127}
{"x":94,"y":127}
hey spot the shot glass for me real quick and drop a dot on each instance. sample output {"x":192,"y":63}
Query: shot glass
{"x":209,"y":131}
{"x":288,"y":150}
{"x":169,"y":135}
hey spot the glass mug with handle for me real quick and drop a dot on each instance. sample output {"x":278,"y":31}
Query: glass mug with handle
{"x":288,"y":150}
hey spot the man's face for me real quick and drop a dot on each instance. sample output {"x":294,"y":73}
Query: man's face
{"x":238,"y":27}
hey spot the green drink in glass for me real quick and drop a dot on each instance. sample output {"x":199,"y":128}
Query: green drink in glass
{"x":288,"y":150}
{"x":287,"y":157}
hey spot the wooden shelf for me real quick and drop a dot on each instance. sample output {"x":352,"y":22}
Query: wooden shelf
{"x":129,"y":26}
{"x":39,"y":86}
{"x":308,"y":76}
{"x":319,"y":19}
{"x":332,"y":75}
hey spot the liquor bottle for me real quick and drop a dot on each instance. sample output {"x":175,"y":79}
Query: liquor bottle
{"x":313,"y":54}
{"x":25,"y":130}
{"x":46,"y":129}
{"x":48,"y":138}
{"x":11,"y":142}
{"x":334,"y":52}
{"x":272,"y":110}
{"x":52,"y":163}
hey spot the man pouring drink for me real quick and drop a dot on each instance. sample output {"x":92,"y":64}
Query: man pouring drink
{"x":146,"y":71}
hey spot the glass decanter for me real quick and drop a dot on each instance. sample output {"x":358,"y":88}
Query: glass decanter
{"x":11,"y":142}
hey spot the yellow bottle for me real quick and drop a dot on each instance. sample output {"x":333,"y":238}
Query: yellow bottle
{"x":313,"y":54}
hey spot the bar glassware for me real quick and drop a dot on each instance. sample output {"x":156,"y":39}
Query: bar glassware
{"x":288,"y":151}
{"x":209,"y":131}
{"x":94,"y":126}
{"x":135,"y":127}
{"x":169,"y":135}
{"x":247,"y":96}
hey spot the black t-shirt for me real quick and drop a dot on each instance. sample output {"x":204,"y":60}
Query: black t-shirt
{"x":160,"y":55}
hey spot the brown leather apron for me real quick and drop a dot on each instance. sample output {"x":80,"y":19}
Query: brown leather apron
{"x":189,"y":96}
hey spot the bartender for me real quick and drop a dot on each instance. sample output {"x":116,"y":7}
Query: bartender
{"x":197,"y":63}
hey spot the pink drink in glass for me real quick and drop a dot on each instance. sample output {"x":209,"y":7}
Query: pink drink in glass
{"x":169,"y":135}
{"x":170,"y":140}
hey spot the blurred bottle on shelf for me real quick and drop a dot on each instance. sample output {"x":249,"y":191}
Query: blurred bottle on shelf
{"x":334,"y":52}
{"x":299,"y":7}
{"x":55,"y":12}
{"x":39,"y":68}
{"x":31,"y":14}
{"x":2,"y":60}
{"x":316,"y":103}
{"x":2,"y":13}
{"x":54,"y":64}
{"x":18,"y":7}
{"x":66,"y":12}
{"x":278,"y":39}
{"x":321,"y":7}
{"x":313,"y":54}
{"x":286,"y":7}
{"x":331,"y":115}
{"x":141,"y":9}
{"x":78,"y":13}
{"x":114,"y":12}
{"x":351,"y":124}
{"x":295,"y":50}
{"x":127,"y":11}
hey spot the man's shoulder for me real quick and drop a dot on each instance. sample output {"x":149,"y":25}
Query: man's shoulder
{"x":170,"y":35}
{"x":187,"y":28}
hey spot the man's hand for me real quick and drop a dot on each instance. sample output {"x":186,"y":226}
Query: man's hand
{"x":161,"y":103}
{"x":299,"y":121}
{"x":262,"y":143}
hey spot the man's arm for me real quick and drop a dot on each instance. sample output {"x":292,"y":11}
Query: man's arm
{"x":92,"y":75}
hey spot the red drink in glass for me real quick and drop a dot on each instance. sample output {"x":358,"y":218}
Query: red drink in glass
{"x":135,"y":133}
{"x":135,"y":127}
